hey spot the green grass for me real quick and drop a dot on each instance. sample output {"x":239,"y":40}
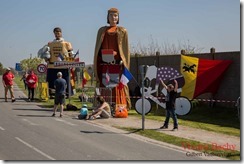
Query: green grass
{"x":184,"y":143}
{"x":74,"y":100}
{"x":219,"y":120}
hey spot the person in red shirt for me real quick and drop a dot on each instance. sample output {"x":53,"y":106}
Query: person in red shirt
{"x":7,"y":80}
{"x":31,"y":80}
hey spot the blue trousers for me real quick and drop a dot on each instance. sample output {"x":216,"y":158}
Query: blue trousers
{"x":171,"y":112}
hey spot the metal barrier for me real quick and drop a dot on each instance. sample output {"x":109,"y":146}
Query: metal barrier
{"x":105,"y":92}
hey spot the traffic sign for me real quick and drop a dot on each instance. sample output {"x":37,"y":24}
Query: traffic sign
{"x":41,"y":68}
{"x":69,"y":64}
{"x":18,"y":67}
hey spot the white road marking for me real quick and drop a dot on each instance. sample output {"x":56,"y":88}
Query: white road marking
{"x":1,"y":128}
{"x":66,"y":122}
{"x":31,"y":123}
{"x":37,"y":150}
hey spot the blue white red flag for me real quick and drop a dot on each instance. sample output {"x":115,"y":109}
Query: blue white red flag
{"x":60,"y":57}
{"x":125,"y":78}
{"x":77,"y":53}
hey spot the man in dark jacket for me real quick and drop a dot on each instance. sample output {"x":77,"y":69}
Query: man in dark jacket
{"x":170,"y":104}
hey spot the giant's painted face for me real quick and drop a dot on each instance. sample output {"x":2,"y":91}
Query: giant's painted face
{"x":58,"y":34}
{"x":113,"y":18}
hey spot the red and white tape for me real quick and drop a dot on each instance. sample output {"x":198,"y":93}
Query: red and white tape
{"x":203,"y":100}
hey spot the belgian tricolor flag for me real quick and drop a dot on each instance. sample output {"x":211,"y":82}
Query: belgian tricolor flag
{"x":86,"y":77}
{"x":201,"y":75}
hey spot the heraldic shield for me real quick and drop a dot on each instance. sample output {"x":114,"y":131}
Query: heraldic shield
{"x":107,"y":55}
{"x":110,"y":75}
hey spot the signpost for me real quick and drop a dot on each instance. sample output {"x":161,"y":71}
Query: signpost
{"x":143,"y":70}
{"x":41,"y":68}
{"x":69,"y":64}
{"x":18,"y":67}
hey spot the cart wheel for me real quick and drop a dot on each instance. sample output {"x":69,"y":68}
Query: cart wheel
{"x":182,"y":106}
{"x":147,"y":106}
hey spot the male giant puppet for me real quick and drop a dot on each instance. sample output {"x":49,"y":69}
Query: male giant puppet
{"x":58,"y":50}
{"x":112,"y":39}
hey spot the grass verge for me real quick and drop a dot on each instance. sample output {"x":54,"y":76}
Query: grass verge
{"x":187,"y":144}
{"x":219,"y":120}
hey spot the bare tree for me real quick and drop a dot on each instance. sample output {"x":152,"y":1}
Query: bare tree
{"x":166,"y":48}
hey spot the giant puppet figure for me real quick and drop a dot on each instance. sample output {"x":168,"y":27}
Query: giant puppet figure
{"x":112,"y":39}
{"x":58,"y":50}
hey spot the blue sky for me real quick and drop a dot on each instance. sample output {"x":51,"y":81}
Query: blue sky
{"x":26,"y":25}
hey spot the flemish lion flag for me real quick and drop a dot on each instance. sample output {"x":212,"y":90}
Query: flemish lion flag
{"x":201,"y":75}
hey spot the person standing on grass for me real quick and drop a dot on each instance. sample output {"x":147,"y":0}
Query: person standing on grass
{"x":7,"y":79}
{"x":170,"y":104}
{"x":31,"y":81}
{"x":60,"y":86}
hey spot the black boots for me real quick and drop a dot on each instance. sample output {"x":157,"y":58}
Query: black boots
{"x":164,"y":127}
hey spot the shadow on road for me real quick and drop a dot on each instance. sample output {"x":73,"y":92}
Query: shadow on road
{"x":29,"y":115}
{"x":45,"y":106}
{"x":134,"y":131}
{"x":33,"y":109}
{"x":101,"y":132}
{"x":98,"y":132}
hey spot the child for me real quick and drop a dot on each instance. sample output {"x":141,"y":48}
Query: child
{"x":83,"y":112}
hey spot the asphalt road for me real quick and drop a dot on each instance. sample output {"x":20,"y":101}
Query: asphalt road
{"x":27,"y":132}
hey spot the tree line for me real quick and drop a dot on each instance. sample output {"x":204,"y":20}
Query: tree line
{"x":150,"y":49}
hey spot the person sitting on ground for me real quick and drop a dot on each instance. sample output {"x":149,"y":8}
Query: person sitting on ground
{"x":83,"y":97}
{"x":103,"y":110}
{"x":83,"y":112}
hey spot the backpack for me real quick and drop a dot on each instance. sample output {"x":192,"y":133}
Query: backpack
{"x":121,"y":111}
{"x":71,"y":107}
